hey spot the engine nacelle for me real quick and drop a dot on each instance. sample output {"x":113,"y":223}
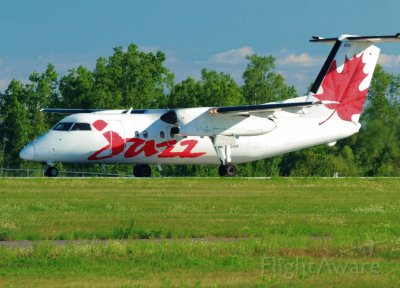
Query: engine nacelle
{"x":210,"y":125}
{"x":251,"y":126}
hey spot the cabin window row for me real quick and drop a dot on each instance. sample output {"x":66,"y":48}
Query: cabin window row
{"x":145,"y":134}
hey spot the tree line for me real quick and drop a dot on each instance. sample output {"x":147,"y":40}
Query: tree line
{"x":133,"y":78}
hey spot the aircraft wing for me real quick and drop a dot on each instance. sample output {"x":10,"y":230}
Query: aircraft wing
{"x":70,"y":111}
{"x":261,"y":108}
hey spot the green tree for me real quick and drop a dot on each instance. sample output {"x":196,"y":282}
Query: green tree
{"x":219,"y":89}
{"x":213,"y":89}
{"x":41,"y":91}
{"x":76,"y":89}
{"x":262,"y":84}
{"x":377,"y":143}
{"x":128,"y":78}
{"x":14,"y":128}
{"x":185,"y":94}
{"x":132,"y":78}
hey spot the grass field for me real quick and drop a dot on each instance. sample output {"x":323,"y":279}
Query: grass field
{"x":201,"y":232}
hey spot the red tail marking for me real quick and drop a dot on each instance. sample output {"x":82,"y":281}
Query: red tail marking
{"x":344,"y":88}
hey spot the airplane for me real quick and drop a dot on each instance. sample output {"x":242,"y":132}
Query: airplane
{"x":224,"y":136}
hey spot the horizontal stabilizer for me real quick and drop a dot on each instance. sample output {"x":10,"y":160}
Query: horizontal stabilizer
{"x":374,"y":39}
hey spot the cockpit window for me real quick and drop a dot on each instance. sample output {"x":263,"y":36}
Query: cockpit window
{"x":63,"y":126}
{"x":81,"y":126}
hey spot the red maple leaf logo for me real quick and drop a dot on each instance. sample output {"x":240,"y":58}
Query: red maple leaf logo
{"x":344,"y":88}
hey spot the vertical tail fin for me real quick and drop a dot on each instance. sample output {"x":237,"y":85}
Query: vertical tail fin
{"x":344,"y":79}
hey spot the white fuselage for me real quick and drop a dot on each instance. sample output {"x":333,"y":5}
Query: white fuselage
{"x":116,"y":137}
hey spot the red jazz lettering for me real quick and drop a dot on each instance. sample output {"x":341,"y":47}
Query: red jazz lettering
{"x":186,"y":153}
{"x":147,"y":147}
{"x":137,"y":146}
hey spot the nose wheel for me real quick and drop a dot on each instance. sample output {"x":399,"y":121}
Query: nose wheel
{"x":51,"y":171}
{"x":142,"y":170}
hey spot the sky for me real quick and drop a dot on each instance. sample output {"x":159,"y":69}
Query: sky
{"x":212,"y":34}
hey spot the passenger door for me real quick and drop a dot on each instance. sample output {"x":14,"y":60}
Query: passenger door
{"x":117,"y":137}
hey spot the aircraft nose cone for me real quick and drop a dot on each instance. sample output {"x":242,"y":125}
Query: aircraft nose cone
{"x":28,"y":153}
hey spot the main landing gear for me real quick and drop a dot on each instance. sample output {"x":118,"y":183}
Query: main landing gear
{"x":142,"y":170}
{"x":51,"y":171}
{"x":223,"y":149}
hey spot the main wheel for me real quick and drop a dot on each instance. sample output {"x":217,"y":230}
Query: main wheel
{"x":231,"y":170}
{"x":51,"y":172}
{"x":228,"y":170}
{"x":142,"y":170}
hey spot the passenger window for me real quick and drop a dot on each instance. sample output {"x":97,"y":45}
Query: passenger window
{"x":63,"y":126}
{"x":162,"y":134}
{"x":81,"y":126}
{"x":145,"y":135}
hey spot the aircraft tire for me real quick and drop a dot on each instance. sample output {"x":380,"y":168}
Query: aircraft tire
{"x":228,"y":170}
{"x":221,"y":170}
{"x":142,"y":170}
{"x":51,"y":172}
{"x":231,"y":170}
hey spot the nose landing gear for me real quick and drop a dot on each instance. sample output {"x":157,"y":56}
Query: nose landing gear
{"x":51,"y":171}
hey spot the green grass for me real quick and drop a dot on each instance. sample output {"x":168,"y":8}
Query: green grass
{"x":296,"y":232}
